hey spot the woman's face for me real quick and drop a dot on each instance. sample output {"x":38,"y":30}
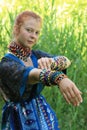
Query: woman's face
{"x":29,"y":32}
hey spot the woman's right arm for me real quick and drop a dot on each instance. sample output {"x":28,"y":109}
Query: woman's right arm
{"x":34,"y":75}
{"x":68,"y":88}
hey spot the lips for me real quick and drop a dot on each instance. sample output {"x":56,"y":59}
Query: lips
{"x":30,"y":42}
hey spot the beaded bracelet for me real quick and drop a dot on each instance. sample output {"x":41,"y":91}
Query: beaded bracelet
{"x":49,"y":78}
{"x":60,"y":63}
{"x":59,"y":78}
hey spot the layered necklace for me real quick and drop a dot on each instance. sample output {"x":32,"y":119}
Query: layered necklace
{"x":19,"y":51}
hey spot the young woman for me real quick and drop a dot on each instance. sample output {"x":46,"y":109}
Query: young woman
{"x":23,"y":75}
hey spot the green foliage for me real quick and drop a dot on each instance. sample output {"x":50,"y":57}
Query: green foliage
{"x":64,"y":32}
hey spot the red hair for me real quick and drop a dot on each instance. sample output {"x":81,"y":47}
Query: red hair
{"x":22,"y":17}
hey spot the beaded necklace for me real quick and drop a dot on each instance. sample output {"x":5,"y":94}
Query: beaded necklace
{"x":19,"y":51}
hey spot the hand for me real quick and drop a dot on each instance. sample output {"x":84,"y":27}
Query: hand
{"x":45,"y":63}
{"x":70,"y":92}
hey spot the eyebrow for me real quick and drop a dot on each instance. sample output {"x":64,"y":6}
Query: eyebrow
{"x":31,"y":28}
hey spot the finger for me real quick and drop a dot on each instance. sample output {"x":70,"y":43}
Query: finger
{"x":78,"y":94}
{"x":79,"y":98}
{"x":66,"y":98}
{"x":71,"y":100}
{"x":75,"y":97}
{"x":51,"y":60}
{"x":44,"y":63}
{"x":75,"y":101}
{"x":39,"y":67}
{"x":41,"y":63}
{"x":47,"y":63}
{"x":72,"y":97}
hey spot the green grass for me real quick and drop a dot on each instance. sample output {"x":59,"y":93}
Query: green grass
{"x":64,"y":33}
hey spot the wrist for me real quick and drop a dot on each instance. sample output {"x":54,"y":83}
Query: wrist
{"x":60,"y":63}
{"x":49,"y":78}
{"x":60,"y":78}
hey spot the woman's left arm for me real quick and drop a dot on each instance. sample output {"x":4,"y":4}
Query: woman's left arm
{"x":58,"y":63}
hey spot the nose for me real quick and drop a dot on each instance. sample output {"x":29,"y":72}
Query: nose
{"x":33,"y":35}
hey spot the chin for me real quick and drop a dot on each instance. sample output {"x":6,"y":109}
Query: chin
{"x":30,"y":47}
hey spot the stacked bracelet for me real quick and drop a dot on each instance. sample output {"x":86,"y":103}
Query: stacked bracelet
{"x":60,"y":63}
{"x":59,"y":78}
{"x":51,"y":77}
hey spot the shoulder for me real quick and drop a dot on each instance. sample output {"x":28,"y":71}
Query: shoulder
{"x":9,"y":65}
{"x":7,"y":61}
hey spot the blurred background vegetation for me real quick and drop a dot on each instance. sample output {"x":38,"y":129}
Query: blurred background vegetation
{"x":64,"y":32}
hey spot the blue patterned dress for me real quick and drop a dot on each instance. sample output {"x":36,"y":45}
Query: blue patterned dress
{"x":26,"y":108}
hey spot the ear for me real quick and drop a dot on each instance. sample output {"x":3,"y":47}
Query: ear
{"x":16,"y":30}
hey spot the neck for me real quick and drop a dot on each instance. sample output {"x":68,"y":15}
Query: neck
{"x":20,"y":51}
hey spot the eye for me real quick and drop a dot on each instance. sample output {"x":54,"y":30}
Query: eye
{"x":29,"y":30}
{"x":37,"y":32}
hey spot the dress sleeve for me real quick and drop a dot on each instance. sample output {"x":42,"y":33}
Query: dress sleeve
{"x":14,"y":77}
